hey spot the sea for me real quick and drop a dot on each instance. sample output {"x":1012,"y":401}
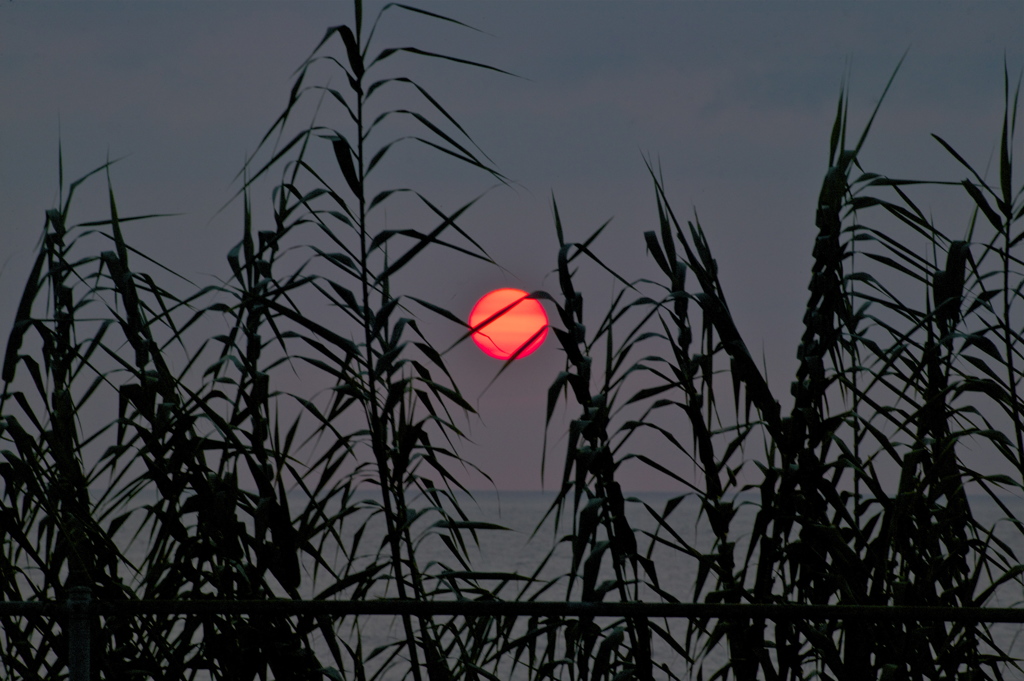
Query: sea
{"x":528,"y":537}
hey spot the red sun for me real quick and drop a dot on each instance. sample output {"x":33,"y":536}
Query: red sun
{"x":524,"y":324}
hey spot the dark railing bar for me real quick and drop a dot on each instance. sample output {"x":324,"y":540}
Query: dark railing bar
{"x":291,"y":608}
{"x":79,"y":609}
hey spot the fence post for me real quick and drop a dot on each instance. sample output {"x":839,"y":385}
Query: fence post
{"x":79,"y":629}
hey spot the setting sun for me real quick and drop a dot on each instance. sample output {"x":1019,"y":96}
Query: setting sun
{"x":523,"y":325}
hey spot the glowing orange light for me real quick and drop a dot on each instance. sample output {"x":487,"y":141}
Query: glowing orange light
{"x":523,"y":325}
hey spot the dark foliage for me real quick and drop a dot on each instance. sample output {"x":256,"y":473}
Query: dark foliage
{"x":199,"y":415}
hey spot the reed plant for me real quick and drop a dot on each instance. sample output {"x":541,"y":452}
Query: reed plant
{"x":203,"y":429}
{"x":881,"y":383}
{"x":242,"y":486}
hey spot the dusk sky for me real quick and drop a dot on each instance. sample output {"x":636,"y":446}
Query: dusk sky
{"x":734,"y":100}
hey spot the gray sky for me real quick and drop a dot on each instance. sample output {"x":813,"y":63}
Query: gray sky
{"x":735,"y":100}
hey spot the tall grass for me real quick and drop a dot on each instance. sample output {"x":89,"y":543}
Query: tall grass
{"x":214,"y":430}
{"x":880,"y":381}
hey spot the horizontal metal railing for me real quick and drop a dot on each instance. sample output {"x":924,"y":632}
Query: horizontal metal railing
{"x":291,"y":608}
{"x":80,"y":608}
